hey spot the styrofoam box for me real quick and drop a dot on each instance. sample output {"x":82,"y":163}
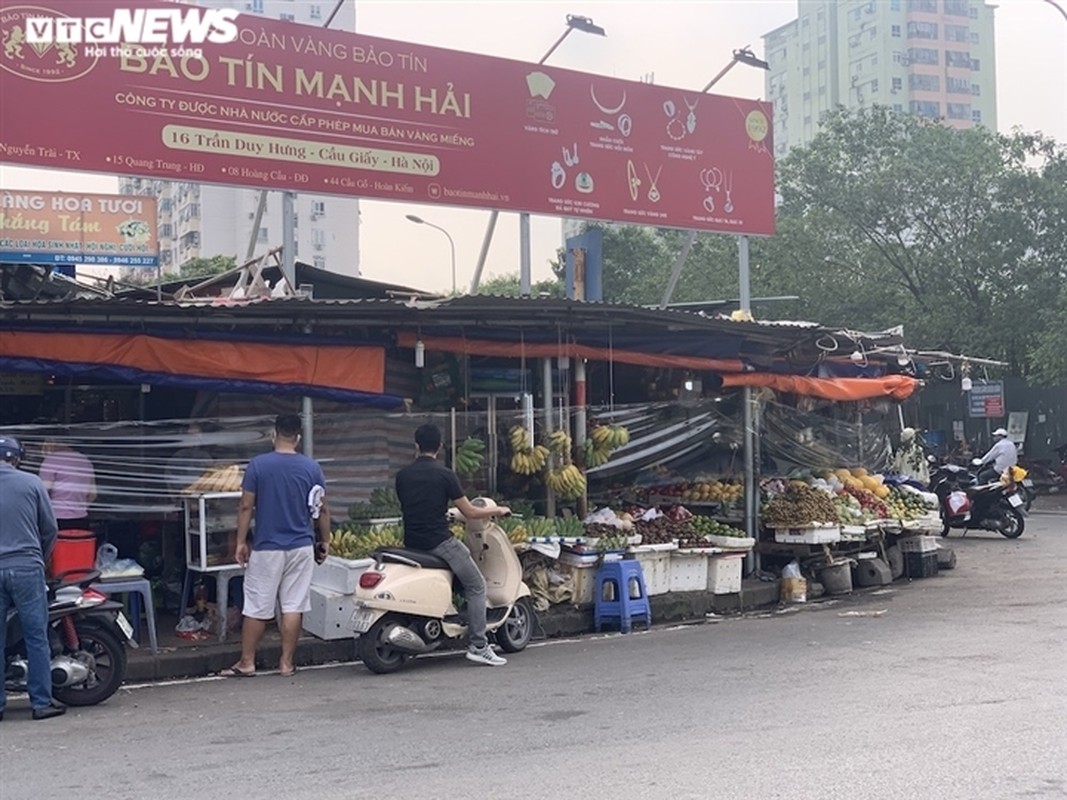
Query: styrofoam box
{"x":918,"y":544}
{"x":330,"y":616}
{"x":815,"y":534}
{"x":584,"y":577}
{"x":724,"y":574}
{"x":339,"y":574}
{"x":689,"y":572}
{"x":656,"y":566}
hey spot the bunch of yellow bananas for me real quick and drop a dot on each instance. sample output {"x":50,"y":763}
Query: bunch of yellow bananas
{"x":530,"y":462}
{"x":603,"y":439}
{"x":346,"y":543}
{"x":520,"y":439}
{"x":559,"y":442}
{"x":567,"y":481}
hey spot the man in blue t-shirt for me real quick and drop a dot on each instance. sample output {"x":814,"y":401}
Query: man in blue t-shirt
{"x":287,"y":491}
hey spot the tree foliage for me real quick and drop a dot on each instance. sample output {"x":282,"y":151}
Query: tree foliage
{"x":202,"y":267}
{"x":508,"y":286}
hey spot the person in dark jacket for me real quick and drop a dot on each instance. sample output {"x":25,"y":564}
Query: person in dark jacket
{"x":27,"y":535}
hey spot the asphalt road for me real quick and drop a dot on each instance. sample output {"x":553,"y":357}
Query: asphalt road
{"x":957,"y":690}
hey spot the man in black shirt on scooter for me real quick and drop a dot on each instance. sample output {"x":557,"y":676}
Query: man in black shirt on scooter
{"x":425,"y":488}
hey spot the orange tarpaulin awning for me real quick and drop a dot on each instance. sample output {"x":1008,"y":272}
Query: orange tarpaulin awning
{"x":898,"y":387}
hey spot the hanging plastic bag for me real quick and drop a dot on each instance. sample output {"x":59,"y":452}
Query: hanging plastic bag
{"x":106,"y":557}
{"x":791,"y":570}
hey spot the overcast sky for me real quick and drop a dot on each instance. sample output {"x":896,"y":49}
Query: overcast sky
{"x":682,"y":44}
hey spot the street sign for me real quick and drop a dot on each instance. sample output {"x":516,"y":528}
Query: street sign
{"x":986,"y":400}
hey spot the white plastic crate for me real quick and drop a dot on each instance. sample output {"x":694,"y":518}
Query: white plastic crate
{"x":918,"y":544}
{"x":340,"y":575}
{"x":724,"y":574}
{"x":656,"y":566}
{"x":813,"y":534}
{"x":330,"y":616}
{"x":689,"y":572}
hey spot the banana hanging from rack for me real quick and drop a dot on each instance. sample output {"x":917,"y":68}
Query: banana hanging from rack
{"x":559,"y":442}
{"x":519,"y":438}
{"x":469,"y":456}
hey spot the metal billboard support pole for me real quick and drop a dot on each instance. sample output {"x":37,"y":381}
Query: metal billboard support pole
{"x":749,"y":439}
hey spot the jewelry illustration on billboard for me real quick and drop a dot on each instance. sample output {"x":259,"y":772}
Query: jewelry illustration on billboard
{"x":728,"y":206}
{"x":653,"y":190}
{"x":570,"y":158}
{"x":584,"y":182}
{"x":711,"y":180}
{"x":559,"y":175}
{"x":632,"y":180}
{"x":625,"y":123}
{"x":691,"y":120}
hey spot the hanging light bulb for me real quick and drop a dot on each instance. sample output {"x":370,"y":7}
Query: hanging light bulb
{"x":420,"y":354}
{"x":966,"y":384}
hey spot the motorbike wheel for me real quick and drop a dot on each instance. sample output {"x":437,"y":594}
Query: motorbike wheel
{"x":375,"y":652}
{"x":106,"y":655}
{"x":517,"y":629}
{"x":1016,"y":524}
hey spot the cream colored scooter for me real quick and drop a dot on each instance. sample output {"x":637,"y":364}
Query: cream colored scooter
{"x":404,"y":604}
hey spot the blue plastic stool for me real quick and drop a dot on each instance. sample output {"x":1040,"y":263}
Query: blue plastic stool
{"x":628,"y":596}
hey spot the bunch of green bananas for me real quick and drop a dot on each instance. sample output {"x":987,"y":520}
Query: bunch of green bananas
{"x":537,"y":527}
{"x":384,"y":502}
{"x":469,"y":456}
{"x":567,"y":481}
{"x":569,"y":527}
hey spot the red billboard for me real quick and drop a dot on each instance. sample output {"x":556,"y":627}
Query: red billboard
{"x":287,"y":106}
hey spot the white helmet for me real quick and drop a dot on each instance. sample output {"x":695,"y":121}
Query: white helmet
{"x":1000,"y":432}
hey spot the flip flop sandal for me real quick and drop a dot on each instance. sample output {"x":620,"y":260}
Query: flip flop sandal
{"x":237,"y":672}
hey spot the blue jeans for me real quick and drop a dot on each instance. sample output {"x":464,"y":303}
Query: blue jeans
{"x":23,"y":588}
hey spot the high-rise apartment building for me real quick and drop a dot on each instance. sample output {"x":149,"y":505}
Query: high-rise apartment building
{"x":934,"y":58}
{"x":202,"y":220}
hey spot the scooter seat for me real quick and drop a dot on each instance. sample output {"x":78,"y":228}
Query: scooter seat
{"x":420,"y":557}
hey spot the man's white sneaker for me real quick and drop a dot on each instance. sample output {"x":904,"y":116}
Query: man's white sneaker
{"x":486,"y":656}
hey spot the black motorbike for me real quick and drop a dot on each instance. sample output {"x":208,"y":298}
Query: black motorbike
{"x":88,"y":635}
{"x":968,"y":504}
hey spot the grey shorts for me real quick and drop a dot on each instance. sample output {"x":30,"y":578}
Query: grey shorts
{"x":278,"y":577}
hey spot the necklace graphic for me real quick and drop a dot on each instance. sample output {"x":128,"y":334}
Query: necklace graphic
{"x":632,"y":180}
{"x":728,"y":206}
{"x":711,"y":178}
{"x":570,"y":157}
{"x":653,"y":191}
{"x":677,"y":127}
{"x":624,"y":122}
{"x":691,"y":120}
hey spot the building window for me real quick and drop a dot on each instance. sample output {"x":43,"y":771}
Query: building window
{"x":894,"y":31}
{"x":874,"y":86}
{"x":315,"y":12}
{"x":166,"y":230}
{"x":959,"y":110}
{"x":287,"y":17}
{"x":975,"y":64}
{"x":263,"y":235}
{"x":872,"y":33}
{"x":822,"y":64}
{"x":806,"y":48}
{"x":923,"y":55}
{"x":898,"y":84}
{"x":974,"y":38}
{"x":957,"y":58}
{"x":972,"y":13}
{"x":874,"y":60}
{"x":956,"y":8}
{"x":257,"y":6}
{"x":898,"y":107}
{"x":958,"y":85}
{"x":976,"y":89}
{"x":894,"y":5}
{"x":319,"y":262}
{"x":822,"y":90}
{"x":807,"y":70}
{"x":318,"y":239}
{"x":922,"y":30}
{"x":807,"y":96}
{"x":318,"y":207}
{"x":856,"y":14}
{"x":924,"y":83}
{"x":807,"y":121}
{"x":926,"y":108}
{"x":976,"y":116}
{"x":927,"y":6}
{"x":957,"y":33}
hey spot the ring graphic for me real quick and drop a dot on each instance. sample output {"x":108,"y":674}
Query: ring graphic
{"x":559,"y":175}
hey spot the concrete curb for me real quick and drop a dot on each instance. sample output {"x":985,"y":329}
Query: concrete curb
{"x":559,"y":621}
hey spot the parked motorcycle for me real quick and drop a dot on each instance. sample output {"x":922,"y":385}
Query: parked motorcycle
{"x":86,"y":632}
{"x":968,"y":505}
{"x":405,"y":604}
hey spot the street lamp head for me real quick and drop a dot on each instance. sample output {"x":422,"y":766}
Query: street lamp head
{"x":584,"y":24}
{"x":416,"y":220}
{"x":746,"y":56}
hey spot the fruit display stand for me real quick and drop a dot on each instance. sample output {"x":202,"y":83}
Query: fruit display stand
{"x":210,"y":544}
{"x":655,"y":561}
{"x":724,"y":573}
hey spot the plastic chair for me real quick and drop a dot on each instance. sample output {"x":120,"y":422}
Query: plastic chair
{"x":138,"y":589}
{"x":625,"y":580}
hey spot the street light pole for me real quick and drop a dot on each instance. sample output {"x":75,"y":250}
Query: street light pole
{"x":451,"y":243}
{"x":574,"y":23}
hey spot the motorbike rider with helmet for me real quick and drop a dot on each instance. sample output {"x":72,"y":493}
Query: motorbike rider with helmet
{"x":1002,"y":455}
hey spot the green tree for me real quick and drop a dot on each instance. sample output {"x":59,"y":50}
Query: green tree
{"x":508,"y":286}
{"x":202,"y":267}
{"x":888,"y":219}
